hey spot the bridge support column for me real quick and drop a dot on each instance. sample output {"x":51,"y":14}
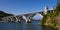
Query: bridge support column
{"x":11,"y":19}
{"x":8,"y":19}
{"x":16,"y":19}
{"x":19,"y":19}
{"x":26,"y":19}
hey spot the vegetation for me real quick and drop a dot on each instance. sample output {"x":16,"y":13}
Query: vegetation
{"x":48,"y":19}
{"x":3,"y":14}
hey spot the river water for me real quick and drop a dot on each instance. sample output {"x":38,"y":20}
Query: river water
{"x":34,"y":25}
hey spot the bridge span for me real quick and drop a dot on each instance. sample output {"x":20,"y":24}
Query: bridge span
{"x":26,"y":17}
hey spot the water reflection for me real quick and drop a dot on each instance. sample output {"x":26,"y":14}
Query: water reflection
{"x":32,"y":26}
{"x":20,"y":26}
{"x":23,"y":26}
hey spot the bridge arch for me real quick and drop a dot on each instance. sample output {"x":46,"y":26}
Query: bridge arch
{"x":36,"y":16}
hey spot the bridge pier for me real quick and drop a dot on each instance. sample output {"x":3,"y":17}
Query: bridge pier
{"x":19,"y":19}
{"x":16,"y":19}
{"x":9,"y":19}
{"x":26,"y":19}
{"x":29,"y":21}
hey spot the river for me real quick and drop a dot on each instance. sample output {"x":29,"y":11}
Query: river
{"x":34,"y":25}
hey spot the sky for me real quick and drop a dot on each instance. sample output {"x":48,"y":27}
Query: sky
{"x":24,"y":6}
{"x":18,"y":7}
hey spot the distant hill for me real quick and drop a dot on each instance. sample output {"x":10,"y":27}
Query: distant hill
{"x":3,"y":14}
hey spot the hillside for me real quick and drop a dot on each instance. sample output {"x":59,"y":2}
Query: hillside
{"x":3,"y":14}
{"x":57,"y":19}
{"x":52,"y":19}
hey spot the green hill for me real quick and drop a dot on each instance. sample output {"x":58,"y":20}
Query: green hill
{"x":3,"y":14}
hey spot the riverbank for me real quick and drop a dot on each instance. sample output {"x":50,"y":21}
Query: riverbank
{"x":52,"y":19}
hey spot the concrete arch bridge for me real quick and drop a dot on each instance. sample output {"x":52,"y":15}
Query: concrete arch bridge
{"x":27,"y":17}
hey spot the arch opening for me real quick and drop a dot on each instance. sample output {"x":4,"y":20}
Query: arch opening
{"x":37,"y":16}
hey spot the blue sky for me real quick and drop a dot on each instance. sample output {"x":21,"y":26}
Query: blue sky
{"x":24,"y":6}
